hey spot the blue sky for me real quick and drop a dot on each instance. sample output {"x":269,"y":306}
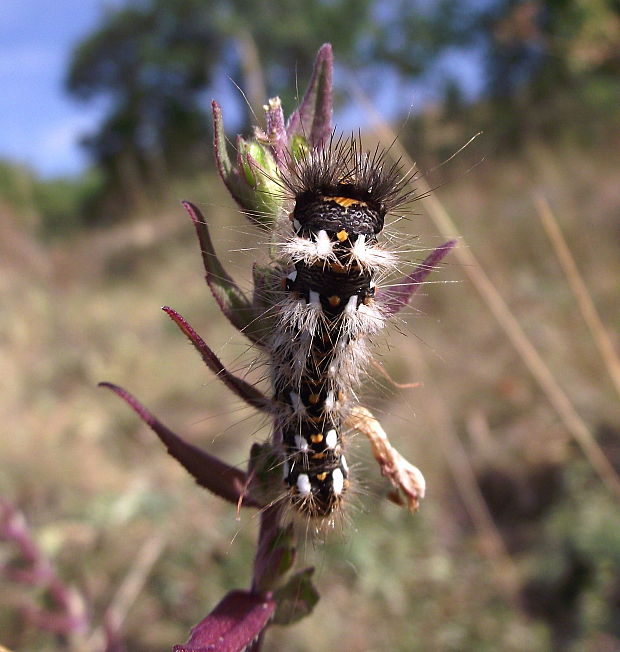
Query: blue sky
{"x":40,"y":125}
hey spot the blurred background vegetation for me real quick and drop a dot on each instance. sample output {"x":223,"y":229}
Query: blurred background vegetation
{"x":517,"y":546}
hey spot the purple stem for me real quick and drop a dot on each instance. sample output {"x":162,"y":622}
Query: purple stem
{"x":69,"y":617}
{"x":267,"y":558}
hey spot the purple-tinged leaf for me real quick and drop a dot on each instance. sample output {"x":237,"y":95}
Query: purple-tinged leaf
{"x":231,"y":175}
{"x":252,"y":179}
{"x":52,"y":621}
{"x":276,"y":131}
{"x":313,"y":119}
{"x":231,"y":300}
{"x":296,"y":599}
{"x":240,"y":387}
{"x":233,"y":625}
{"x":260,"y":273}
{"x":222,"y":161}
{"x":402,"y":291}
{"x":265,"y":473}
{"x":209,"y":472}
{"x":66,"y":612}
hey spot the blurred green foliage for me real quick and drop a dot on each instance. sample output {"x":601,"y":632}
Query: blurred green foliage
{"x":58,"y":206}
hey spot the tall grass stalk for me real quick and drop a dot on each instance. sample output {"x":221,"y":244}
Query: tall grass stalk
{"x":498,"y":307}
{"x":579,"y":289}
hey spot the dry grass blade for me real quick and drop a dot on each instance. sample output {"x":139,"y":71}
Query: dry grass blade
{"x":498,"y":307}
{"x":492,"y":543}
{"x":129,"y":590}
{"x":580,"y":291}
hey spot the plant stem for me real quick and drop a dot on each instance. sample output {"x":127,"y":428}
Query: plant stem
{"x":268,"y":556}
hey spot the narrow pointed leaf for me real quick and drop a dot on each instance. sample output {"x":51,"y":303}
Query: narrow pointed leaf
{"x":209,"y":472}
{"x":253,"y":187}
{"x":266,"y":281}
{"x":404,"y":289}
{"x":313,"y":119}
{"x":222,"y":161}
{"x":233,"y":625}
{"x":231,"y":300}
{"x":240,"y":387}
{"x":265,"y":472}
{"x":228,"y":172}
{"x":296,"y":599}
{"x":276,"y":130}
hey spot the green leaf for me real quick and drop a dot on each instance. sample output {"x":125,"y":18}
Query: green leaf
{"x":296,"y":599}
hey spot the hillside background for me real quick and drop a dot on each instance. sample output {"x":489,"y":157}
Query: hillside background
{"x":517,"y":544}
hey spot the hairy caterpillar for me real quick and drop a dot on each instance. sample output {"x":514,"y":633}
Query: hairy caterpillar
{"x":314,"y":309}
{"x":341,"y":196}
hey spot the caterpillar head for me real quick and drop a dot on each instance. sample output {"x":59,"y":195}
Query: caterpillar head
{"x":341,"y":188}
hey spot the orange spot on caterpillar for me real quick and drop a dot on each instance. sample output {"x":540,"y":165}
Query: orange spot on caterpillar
{"x":334,"y":300}
{"x":345,"y":202}
{"x":342,"y":235}
{"x":313,"y":398}
{"x":318,"y":456}
{"x":316,"y":438}
{"x":321,"y":476}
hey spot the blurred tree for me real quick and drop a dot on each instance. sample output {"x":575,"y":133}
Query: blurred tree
{"x":551,"y":64}
{"x":151,"y":64}
{"x":548,"y":45}
{"x":153,"y":60}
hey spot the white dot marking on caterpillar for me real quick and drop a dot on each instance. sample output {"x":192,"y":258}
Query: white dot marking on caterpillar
{"x":337,"y":481}
{"x":323,"y":244}
{"x":303,"y":484}
{"x":331,"y":439}
{"x":351,"y":306}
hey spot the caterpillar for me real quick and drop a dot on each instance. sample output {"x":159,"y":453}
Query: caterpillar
{"x":314,"y":309}
{"x":333,"y":261}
